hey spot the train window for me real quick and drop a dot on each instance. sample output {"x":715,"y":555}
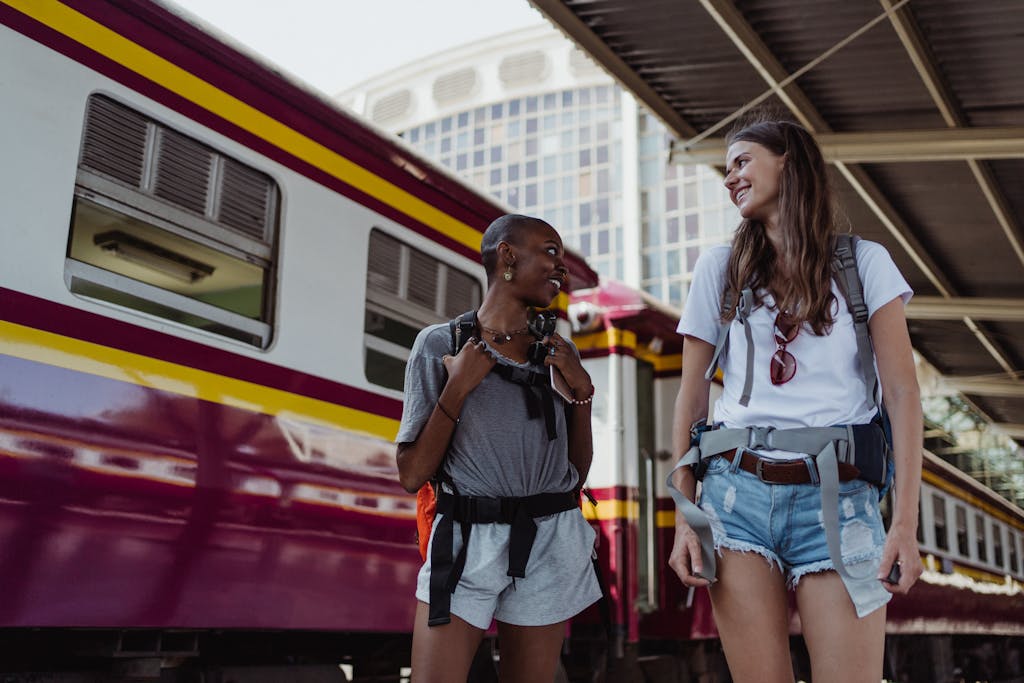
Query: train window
{"x":979,"y":527}
{"x":962,"y":545}
{"x":939,"y":521}
{"x":997,"y":544}
{"x":406,"y":290}
{"x":1012,"y":542}
{"x":169,"y":227}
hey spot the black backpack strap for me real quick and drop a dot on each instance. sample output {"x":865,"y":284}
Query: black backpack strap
{"x":461,"y":329}
{"x":848,"y":278}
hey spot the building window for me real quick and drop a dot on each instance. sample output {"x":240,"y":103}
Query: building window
{"x":979,"y":526}
{"x":939,"y":522}
{"x":406,"y":290}
{"x":997,"y":544}
{"x":167,"y":226}
{"x":962,"y":545}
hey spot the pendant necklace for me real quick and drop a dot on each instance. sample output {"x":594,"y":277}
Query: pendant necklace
{"x":503,"y":337}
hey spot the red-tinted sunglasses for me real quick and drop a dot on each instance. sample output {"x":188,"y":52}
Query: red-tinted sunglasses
{"x":783,"y":364}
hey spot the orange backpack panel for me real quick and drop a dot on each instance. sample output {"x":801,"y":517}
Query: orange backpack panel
{"x":426,"y":509}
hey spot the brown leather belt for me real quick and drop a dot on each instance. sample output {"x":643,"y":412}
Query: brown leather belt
{"x":782,"y":472}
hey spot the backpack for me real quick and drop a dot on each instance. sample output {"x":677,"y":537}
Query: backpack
{"x":461,"y":329}
{"x":846,"y":276}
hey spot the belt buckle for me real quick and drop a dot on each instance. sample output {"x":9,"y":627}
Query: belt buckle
{"x":759,"y":437}
{"x":759,"y":470}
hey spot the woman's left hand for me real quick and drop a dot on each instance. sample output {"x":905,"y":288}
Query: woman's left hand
{"x":562,"y":356}
{"x":900,"y":548}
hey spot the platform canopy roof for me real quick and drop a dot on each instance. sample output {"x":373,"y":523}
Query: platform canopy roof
{"x":918,"y":106}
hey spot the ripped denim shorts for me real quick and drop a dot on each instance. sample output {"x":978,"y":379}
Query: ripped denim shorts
{"x":782,"y":522}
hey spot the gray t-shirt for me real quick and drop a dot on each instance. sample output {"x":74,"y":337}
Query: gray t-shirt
{"x":497,"y":449}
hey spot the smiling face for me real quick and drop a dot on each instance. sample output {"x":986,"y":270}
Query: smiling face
{"x":538,"y":266}
{"x":752,"y":174}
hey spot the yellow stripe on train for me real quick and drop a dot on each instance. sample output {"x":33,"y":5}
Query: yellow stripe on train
{"x":614,"y":337}
{"x":110,"y":44}
{"x":103,"y":361}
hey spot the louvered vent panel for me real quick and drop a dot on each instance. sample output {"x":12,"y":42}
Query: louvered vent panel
{"x":580,"y":63}
{"x":182,"y":171}
{"x":245,"y":198}
{"x":462,"y":294}
{"x":115,"y":141}
{"x":455,"y":85}
{"x":525,"y":67}
{"x":422,"y":280}
{"x":384,"y":270}
{"x":393,"y":106}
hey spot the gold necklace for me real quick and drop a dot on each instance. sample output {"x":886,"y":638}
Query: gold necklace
{"x":499,"y":337}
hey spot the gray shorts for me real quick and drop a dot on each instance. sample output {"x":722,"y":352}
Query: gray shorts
{"x":559,"y":582}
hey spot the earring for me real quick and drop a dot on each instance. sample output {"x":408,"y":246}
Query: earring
{"x":508,"y":273}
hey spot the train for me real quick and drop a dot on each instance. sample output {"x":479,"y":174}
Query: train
{"x":210,"y":279}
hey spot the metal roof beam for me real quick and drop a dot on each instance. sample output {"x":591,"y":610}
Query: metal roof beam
{"x":941,"y":308}
{"x":748,"y":42}
{"x":917,"y":49}
{"x":565,"y":20}
{"x":943,"y":144}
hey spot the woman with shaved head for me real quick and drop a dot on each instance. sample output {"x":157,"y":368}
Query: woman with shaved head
{"x":509,"y":454}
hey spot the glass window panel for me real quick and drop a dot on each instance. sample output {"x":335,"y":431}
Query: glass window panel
{"x":671,"y":198}
{"x":531,"y":104}
{"x":531,"y":126}
{"x":478,"y":136}
{"x":531,"y":169}
{"x":602,"y":210}
{"x":463,"y":119}
{"x":602,"y":154}
{"x":567,"y":98}
{"x":550,"y":191}
{"x":478,"y":158}
{"x":586,"y":215}
{"x":584,"y":158}
{"x":585,"y":243}
{"x":550,"y":101}
{"x":446,"y":124}
{"x":549,"y":122}
{"x":462,"y":140}
{"x":446,"y":145}
{"x":568,"y":188}
{"x":479,"y":115}
{"x":585,"y":184}
{"x":672,"y":230}
{"x":674,"y":262}
{"x":583,"y":96}
{"x":531,"y":195}
{"x":602,"y":242}
{"x":979,"y":525}
{"x":497,"y":110}
{"x":461,"y":162}
{"x":584,"y":135}
{"x":414,"y":135}
{"x":495,"y":176}
{"x":513,"y":107}
{"x":550,"y":165}
{"x":692,"y":223}
{"x":531,"y":147}
{"x":939,"y":522}
{"x":514,"y":128}
{"x":513,"y":172}
{"x":495,"y":155}
{"x":497,"y":133}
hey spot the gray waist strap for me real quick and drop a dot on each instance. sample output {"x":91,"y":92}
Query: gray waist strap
{"x":696,"y":518}
{"x":792,"y":440}
{"x":808,"y":440}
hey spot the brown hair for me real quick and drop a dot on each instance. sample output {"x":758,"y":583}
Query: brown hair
{"x":807,"y":228}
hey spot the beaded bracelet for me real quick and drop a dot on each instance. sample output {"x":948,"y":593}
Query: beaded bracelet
{"x":584,"y":401}
{"x":447,"y":414}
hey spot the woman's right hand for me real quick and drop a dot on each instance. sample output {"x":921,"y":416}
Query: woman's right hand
{"x":685,"y":559}
{"x":469,"y":367}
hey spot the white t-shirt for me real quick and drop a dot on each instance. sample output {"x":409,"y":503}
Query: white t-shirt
{"x":828,"y":388}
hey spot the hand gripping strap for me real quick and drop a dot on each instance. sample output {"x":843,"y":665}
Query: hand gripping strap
{"x":696,"y":518}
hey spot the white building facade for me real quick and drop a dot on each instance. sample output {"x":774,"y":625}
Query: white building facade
{"x":528,"y":118}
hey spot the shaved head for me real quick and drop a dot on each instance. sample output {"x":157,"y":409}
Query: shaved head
{"x":508,"y":228}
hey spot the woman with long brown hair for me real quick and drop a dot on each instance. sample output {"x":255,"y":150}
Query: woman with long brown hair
{"x":789,"y":495}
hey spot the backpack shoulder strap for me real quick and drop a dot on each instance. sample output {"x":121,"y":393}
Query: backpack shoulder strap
{"x":844,"y":269}
{"x":722,"y":343}
{"x":461,"y":329}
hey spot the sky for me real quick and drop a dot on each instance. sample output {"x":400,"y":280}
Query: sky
{"x":335,"y":44}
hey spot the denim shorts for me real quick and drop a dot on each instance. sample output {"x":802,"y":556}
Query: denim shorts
{"x":783,"y":523}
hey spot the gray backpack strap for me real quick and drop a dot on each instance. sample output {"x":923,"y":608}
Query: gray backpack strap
{"x":850,"y":284}
{"x":695,"y":517}
{"x":743,"y":310}
{"x":723,"y":334}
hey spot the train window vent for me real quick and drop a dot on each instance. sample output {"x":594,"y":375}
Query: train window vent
{"x":246,"y":198}
{"x":462,"y":293}
{"x":384,"y":272}
{"x":183,"y":168}
{"x":115,"y":141}
{"x":523,"y":68}
{"x":156,"y":161}
{"x":423,"y":273}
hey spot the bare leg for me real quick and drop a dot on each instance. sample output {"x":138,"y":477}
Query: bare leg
{"x":529,"y":654}
{"x":842,"y":647}
{"x":751,"y":613}
{"x":442,"y":654}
